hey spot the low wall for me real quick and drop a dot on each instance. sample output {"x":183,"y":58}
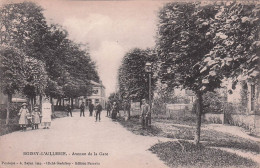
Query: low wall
{"x":214,"y":118}
{"x":249,"y":122}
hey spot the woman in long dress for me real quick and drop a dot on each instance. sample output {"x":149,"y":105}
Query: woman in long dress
{"x":46,"y":113}
{"x":23,"y":113}
{"x":115,"y":110}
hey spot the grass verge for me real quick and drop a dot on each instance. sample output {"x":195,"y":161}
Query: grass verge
{"x":186,"y":154}
{"x":211,"y":138}
{"x":134,"y":125}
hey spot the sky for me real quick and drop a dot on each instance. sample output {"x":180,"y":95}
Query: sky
{"x":110,"y":28}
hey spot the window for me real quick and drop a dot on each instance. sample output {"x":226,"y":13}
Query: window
{"x":95,"y":91}
{"x":96,"y":100}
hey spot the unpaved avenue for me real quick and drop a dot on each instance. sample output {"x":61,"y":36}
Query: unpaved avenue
{"x":114,"y":145}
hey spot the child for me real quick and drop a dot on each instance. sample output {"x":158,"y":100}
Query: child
{"x":36,"y":114}
{"x":29,"y":119}
{"x":23,"y":113}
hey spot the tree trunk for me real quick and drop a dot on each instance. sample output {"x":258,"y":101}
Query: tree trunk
{"x":31,"y":101}
{"x":59,"y":101}
{"x":40,"y":102}
{"x":71,"y":103}
{"x":9,"y":99}
{"x":198,"y":116}
{"x":34,"y":100}
{"x":63,"y":102}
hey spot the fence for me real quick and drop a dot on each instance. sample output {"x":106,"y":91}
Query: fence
{"x":214,"y":118}
{"x":178,"y":110}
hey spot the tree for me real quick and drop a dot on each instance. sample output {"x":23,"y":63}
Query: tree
{"x":114,"y":97}
{"x":235,"y":35}
{"x":182,"y":45}
{"x":53,"y":65}
{"x":133,"y":80}
{"x":11,"y":72}
{"x":36,"y":79}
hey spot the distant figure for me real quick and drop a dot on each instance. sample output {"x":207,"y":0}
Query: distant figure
{"x":115,"y":110}
{"x":145,"y":113}
{"x":82,"y":109}
{"x":91,"y":108}
{"x":69,"y":110}
{"x":98,"y":111}
{"x":46,"y":113}
{"x":36,"y":118}
{"x":126,"y":109}
{"x":23,"y":113}
{"x":108,"y":109}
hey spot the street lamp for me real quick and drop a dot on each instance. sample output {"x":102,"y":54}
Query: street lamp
{"x":148,"y":69}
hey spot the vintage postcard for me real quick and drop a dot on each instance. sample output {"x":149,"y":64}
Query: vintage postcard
{"x":129,"y":84}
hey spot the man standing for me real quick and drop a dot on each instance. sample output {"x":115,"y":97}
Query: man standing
{"x":108,"y":109}
{"x":82,"y":109}
{"x":126,"y":109}
{"x":98,"y":111}
{"x":46,"y":113}
{"x":69,"y":110}
{"x":91,"y":108}
{"x":145,"y":113}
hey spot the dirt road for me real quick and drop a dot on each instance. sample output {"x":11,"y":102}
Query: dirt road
{"x":78,"y":142}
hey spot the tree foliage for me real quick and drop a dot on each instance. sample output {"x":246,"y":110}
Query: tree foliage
{"x":133,"y":80}
{"x":182,"y":44}
{"x":40,"y":59}
{"x":235,"y":35}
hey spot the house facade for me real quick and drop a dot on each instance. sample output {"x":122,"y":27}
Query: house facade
{"x":245,"y":104}
{"x":98,"y":94}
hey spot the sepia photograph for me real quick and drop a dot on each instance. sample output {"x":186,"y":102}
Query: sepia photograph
{"x":129,"y":84}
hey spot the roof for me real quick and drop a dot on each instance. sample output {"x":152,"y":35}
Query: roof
{"x":97,"y":84}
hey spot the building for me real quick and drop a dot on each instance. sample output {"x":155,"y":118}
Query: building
{"x":245,"y":104}
{"x":184,"y":93}
{"x":98,"y":94}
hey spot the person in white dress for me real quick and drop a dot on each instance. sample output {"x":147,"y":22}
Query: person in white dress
{"x":23,"y":113}
{"x":46,"y":113}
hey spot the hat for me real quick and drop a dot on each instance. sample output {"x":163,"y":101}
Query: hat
{"x":24,"y":104}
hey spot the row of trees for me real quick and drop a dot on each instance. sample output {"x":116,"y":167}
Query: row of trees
{"x":198,"y":46}
{"x":40,"y":59}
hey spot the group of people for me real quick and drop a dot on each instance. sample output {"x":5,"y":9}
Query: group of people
{"x":98,"y":108}
{"x":114,"y":109}
{"x":36,"y":116}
